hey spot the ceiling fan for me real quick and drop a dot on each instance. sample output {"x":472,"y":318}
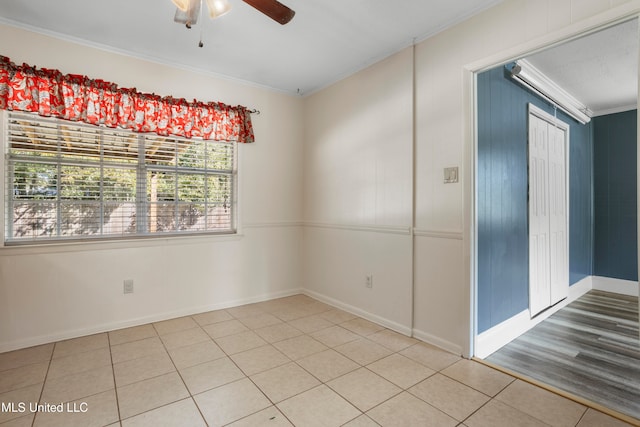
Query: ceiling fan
{"x":189,"y":10}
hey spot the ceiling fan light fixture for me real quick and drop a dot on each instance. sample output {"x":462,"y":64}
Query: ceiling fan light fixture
{"x":190,"y":16}
{"x":188,"y":11}
{"x":218,"y":8}
{"x":183,"y":5}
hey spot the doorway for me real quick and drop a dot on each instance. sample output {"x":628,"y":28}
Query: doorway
{"x":502,"y":266}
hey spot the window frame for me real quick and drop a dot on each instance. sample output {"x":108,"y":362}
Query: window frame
{"x":6,"y":193}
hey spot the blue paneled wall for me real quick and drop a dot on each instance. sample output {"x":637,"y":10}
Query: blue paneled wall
{"x":615,"y":196}
{"x":503,"y":258}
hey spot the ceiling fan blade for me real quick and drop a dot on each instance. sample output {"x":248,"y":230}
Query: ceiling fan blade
{"x":273,"y":9}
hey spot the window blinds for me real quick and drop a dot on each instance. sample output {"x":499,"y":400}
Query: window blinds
{"x":69,"y":180}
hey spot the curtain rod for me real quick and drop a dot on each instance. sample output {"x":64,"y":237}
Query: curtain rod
{"x":255,"y":111}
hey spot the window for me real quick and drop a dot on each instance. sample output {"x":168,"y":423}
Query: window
{"x":68,"y":180}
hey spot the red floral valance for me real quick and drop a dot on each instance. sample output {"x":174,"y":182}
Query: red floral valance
{"x":79,"y":98}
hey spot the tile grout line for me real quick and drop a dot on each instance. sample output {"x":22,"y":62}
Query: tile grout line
{"x":406,"y":390}
{"x":113,"y":373}
{"x":403,"y":390}
{"x":67,"y":401}
{"x":322,"y":383}
{"x":491,"y":399}
{"x":159,"y":336}
{"x":157,"y":376}
{"x":532,"y":416}
{"x":228,"y":356}
{"x":179,"y":373}
{"x":161,"y":406}
{"x":271,"y":344}
{"x":108,"y":347}
{"x":582,"y":416}
{"x":248,"y":377}
{"x":44,"y":382}
{"x":347,"y":373}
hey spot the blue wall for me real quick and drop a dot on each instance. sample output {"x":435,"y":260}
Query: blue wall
{"x":503,"y":242}
{"x":615,"y":208}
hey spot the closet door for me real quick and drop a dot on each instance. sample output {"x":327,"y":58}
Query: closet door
{"x":539,"y":256}
{"x":558,"y":241}
{"x":548,"y":213}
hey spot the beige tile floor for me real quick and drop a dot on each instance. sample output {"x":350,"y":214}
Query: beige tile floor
{"x":290,"y":361}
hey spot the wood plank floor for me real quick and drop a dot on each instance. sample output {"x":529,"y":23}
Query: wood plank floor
{"x":590,"y":348}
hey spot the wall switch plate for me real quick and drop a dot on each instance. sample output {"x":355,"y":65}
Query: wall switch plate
{"x":369,"y":281}
{"x":451,"y":175}
{"x":128,"y":286}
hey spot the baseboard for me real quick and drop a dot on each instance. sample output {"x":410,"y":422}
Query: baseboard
{"x":438,"y":342}
{"x":395,"y":326}
{"x":405,"y":330}
{"x":112,"y":326}
{"x":495,"y":338}
{"x":618,"y":286}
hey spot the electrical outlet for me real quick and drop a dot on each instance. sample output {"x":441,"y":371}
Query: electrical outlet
{"x":369,"y":281}
{"x":128,"y":286}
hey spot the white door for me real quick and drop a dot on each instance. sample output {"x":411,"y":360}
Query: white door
{"x":548,"y":213}
{"x":539,"y":276}
{"x":559,"y":262}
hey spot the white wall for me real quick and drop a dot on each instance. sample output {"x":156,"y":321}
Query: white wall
{"x":353,"y":118}
{"x":54,"y":292}
{"x":358,"y":192}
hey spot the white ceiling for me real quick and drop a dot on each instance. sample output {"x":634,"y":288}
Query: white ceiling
{"x":600,"y":70}
{"x":327,"y":39}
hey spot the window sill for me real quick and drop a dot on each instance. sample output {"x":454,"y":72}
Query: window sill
{"x":97,"y":245}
